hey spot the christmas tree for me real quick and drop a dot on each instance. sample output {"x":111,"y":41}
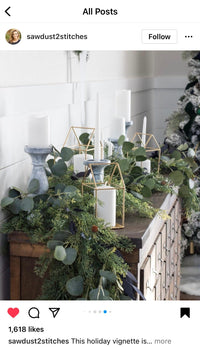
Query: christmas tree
{"x":183,"y":128}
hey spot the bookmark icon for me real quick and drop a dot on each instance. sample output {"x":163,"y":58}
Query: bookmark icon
{"x":185,"y":311}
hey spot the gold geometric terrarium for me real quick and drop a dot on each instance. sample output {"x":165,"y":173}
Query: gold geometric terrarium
{"x":73,"y":141}
{"x":150,"y":145}
{"x":105,"y":190}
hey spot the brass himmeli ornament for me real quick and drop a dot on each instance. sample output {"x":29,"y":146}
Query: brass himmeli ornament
{"x":151,"y":144}
{"x":110,"y":183}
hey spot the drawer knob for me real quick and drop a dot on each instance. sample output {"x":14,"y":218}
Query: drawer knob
{"x":148,"y":286}
{"x":160,"y":259}
{"x":170,"y":238}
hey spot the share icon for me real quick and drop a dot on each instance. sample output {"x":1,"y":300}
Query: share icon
{"x":54,"y":311}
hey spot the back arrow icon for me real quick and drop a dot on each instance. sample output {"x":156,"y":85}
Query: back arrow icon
{"x":6,"y":11}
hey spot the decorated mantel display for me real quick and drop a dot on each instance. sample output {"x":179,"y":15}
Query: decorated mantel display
{"x":79,"y":243}
{"x":64,"y":220}
{"x":83,"y":250}
{"x":38,"y":148}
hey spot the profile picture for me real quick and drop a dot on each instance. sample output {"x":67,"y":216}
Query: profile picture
{"x":13,"y":36}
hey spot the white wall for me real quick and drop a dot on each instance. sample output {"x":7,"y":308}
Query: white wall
{"x":115,"y":65}
{"x":46,"y":82}
{"x":170,"y":79}
{"x":32,"y":68}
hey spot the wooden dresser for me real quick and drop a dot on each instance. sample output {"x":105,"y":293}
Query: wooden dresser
{"x":156,"y":259}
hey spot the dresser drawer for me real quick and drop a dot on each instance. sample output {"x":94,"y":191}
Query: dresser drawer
{"x":168,"y":226}
{"x":152,"y":257}
{"x":176,"y":283}
{"x":177,"y":214}
{"x":163,"y":282}
{"x":158,"y":254}
{"x":176,"y":247}
{"x":164,"y":241}
{"x":158,"y":289}
{"x":167,"y":273}
{"x":173,"y":217}
{"x":172,"y":260}
{"x":147,"y":284}
{"x":171,"y":290}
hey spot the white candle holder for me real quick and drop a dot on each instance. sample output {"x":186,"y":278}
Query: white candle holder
{"x":108,"y":187}
{"x":97,"y":168}
{"x":127,"y":126}
{"x":151,"y":144}
{"x":38,"y":156}
{"x":117,"y":149}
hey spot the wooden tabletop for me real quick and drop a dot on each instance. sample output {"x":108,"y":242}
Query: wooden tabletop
{"x":136,"y":226}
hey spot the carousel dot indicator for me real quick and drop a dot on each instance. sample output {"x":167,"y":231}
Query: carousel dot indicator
{"x":105,"y":311}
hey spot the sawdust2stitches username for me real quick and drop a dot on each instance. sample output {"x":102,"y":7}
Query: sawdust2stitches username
{"x":56,"y":37}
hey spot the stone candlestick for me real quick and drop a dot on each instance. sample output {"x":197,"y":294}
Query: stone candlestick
{"x":38,"y":156}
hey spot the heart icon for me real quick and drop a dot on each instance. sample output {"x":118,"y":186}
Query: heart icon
{"x":13,"y":312}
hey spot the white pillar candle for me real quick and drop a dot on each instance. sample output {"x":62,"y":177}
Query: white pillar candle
{"x":97,"y":147}
{"x":78,"y":160}
{"x":191,"y":183}
{"x":146,"y":164}
{"x":102,"y":145}
{"x":110,"y":148}
{"x":118,"y":128}
{"x":106,"y":209}
{"x":82,"y":65}
{"x":123,"y":104}
{"x":38,"y":131}
{"x":144,"y":130}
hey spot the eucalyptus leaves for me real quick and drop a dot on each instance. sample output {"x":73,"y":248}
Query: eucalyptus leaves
{"x":19,"y":201}
{"x":180,"y":165}
{"x":92,"y":268}
{"x":83,"y":262}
